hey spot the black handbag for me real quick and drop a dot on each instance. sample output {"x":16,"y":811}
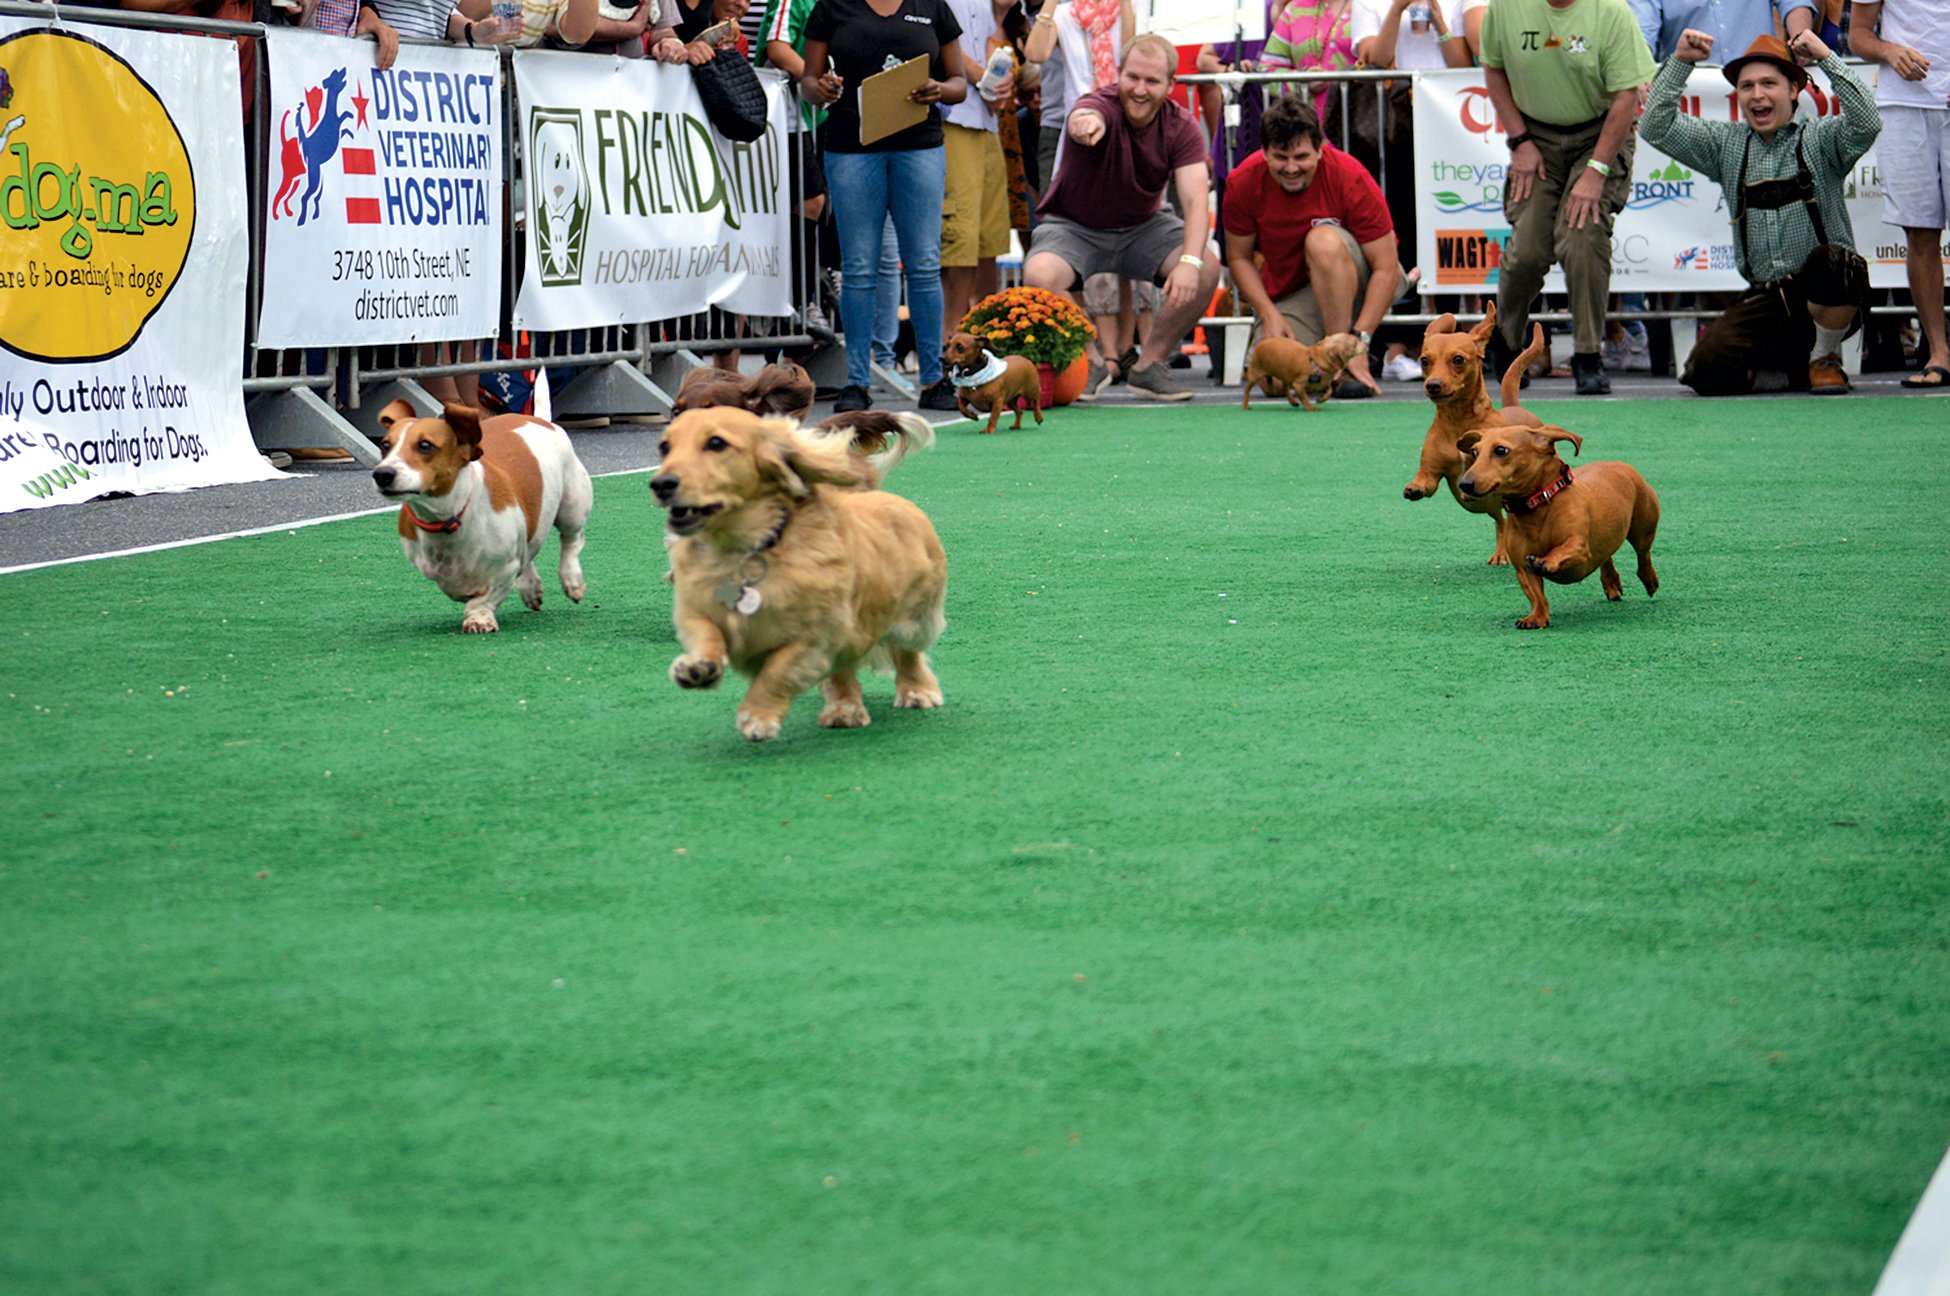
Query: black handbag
{"x":733,"y":98}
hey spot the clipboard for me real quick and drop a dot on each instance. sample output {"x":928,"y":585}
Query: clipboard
{"x":884,"y":106}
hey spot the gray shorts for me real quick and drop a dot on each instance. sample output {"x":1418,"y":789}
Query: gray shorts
{"x":1134,"y":252}
{"x":1301,"y":309}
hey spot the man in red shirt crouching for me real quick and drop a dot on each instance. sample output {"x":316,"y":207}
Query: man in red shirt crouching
{"x":1308,"y":239}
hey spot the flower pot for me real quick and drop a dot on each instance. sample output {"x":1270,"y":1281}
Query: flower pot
{"x":1067,"y":385}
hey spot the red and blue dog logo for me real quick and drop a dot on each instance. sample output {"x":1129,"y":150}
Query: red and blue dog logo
{"x":323,"y":127}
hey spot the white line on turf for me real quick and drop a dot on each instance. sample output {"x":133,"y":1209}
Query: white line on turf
{"x":1920,"y":1264}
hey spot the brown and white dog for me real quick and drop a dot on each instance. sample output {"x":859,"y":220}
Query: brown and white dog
{"x":792,"y":569}
{"x":1305,"y":375}
{"x":478,"y":498}
{"x":986,"y":383}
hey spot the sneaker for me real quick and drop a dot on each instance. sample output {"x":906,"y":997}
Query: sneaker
{"x":1154,"y":381}
{"x":1095,"y":379}
{"x":1590,"y":373}
{"x":1401,"y":369}
{"x":1826,"y":376}
{"x":1638,"y":354}
{"x":1612,"y":354}
{"x":850,"y":399}
{"x":940,"y":396}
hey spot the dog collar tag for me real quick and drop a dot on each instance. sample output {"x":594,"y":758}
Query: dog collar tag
{"x":740,"y":598}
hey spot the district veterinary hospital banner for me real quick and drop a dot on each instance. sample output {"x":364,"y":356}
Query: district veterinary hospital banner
{"x":637,"y":209}
{"x":383,"y":195}
{"x":122,"y":273}
{"x":1673,"y":235}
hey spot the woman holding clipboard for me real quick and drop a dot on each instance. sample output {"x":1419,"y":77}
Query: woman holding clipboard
{"x":870,"y":174}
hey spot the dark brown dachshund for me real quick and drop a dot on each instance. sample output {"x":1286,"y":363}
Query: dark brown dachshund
{"x":1005,"y":380}
{"x":1560,"y":525}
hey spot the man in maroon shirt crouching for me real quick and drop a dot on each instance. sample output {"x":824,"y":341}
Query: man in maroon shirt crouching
{"x":1102,"y":212}
{"x":1309,"y":240}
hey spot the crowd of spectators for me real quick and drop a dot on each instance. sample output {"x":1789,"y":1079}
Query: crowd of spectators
{"x":1057,"y":121}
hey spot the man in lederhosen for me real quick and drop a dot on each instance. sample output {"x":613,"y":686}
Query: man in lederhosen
{"x":1783,"y":174}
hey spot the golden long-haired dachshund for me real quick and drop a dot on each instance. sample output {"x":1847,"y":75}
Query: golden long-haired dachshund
{"x":793,"y":569}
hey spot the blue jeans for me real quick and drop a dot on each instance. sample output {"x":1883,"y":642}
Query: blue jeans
{"x":866,"y":189}
{"x":887,"y":298}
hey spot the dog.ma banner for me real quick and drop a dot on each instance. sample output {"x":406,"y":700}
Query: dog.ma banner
{"x":122,"y":273}
{"x":382,"y":219}
{"x":637,"y":209}
{"x":1674,"y":234}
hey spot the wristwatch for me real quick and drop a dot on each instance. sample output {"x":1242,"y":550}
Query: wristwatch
{"x":1515,"y":140}
{"x":1367,"y":338}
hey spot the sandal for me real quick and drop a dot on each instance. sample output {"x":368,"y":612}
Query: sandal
{"x":1924,"y":382}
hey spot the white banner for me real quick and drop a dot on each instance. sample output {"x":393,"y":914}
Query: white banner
{"x":382,"y":218}
{"x":1673,"y":235}
{"x":122,"y":274}
{"x":636,"y":208}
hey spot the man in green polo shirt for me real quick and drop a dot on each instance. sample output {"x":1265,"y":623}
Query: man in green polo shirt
{"x":1564,"y":76}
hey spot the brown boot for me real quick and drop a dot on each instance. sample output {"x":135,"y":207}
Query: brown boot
{"x":1826,"y":376}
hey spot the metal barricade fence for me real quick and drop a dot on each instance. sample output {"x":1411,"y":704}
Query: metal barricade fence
{"x":330,"y":396}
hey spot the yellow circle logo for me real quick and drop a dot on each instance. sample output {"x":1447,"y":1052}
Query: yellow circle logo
{"x":96,"y":195}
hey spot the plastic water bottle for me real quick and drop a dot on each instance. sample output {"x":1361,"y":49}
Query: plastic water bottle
{"x":1001,"y":64}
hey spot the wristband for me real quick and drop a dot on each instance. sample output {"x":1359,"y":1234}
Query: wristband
{"x":1196,"y":263}
{"x":1517,"y":141}
{"x":467,"y":30}
{"x":1045,"y":20}
{"x":1598,"y":166}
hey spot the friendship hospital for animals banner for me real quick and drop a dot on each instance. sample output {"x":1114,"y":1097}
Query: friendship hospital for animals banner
{"x":382,"y":218}
{"x":122,"y":270}
{"x":636,"y":208}
{"x":1674,"y":234}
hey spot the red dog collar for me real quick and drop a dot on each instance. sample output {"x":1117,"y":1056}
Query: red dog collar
{"x":1521,"y":504}
{"x":445,"y":527}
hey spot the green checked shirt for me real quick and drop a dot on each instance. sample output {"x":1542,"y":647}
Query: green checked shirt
{"x":1782,"y":238}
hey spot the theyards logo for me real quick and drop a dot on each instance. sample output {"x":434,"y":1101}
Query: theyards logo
{"x":1478,"y":186}
{"x":561,"y":188}
{"x":1674,"y":184}
{"x":100,"y":205}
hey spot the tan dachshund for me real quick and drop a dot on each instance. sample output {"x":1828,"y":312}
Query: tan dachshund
{"x":986,"y":383}
{"x":1305,"y":375}
{"x":1452,"y":368}
{"x":792,"y":569}
{"x":1560,"y":525}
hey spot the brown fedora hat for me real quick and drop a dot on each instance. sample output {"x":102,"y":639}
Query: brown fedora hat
{"x":1769,"y":49}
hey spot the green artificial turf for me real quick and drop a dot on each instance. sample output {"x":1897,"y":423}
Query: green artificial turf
{"x":1262,"y":914}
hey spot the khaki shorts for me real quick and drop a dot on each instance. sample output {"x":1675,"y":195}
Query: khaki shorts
{"x":1303,"y":312}
{"x":975,"y":213}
